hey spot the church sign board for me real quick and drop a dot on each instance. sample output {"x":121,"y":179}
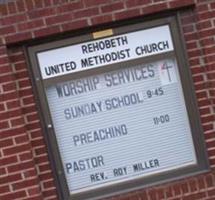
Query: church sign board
{"x":119,"y":111}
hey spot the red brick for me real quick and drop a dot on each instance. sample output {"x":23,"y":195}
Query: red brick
{"x":3,"y":9}
{"x":20,"y":66}
{"x":168,"y":192}
{"x":212,"y":5}
{"x":2,"y":107}
{"x":33,"y":117}
{"x":152,"y":195}
{"x":16,"y":149}
{"x":128,"y":14}
{"x":25,"y":183}
{"x":210,"y":67}
{"x":18,"y":37}
{"x":4,"y":60}
{"x":50,"y":192}
{"x":206,"y":15}
{"x":102,"y":19}
{"x":7,"y":30}
{"x":42,"y":159}
{"x":10,"y":178}
{"x":6,"y":142}
{"x":201,"y":86}
{"x":46,"y":31}
{"x":197,"y":70}
{"x":8,"y":160}
{"x":13,"y":19}
{"x":21,"y":139}
{"x":30,"y":173}
{"x":188,"y":20}
{"x":8,"y":96}
{"x":3,"y":171}
{"x":181,"y":3}
{"x":207,"y":41}
{"x":189,"y":28}
{"x":34,"y":191}
{"x":20,"y":5}
{"x":207,"y":127}
{"x":26,"y":82}
{"x":29,"y":109}
{"x":135,"y":3}
{"x":30,"y":25}
{"x":203,"y":102}
{"x":59,"y":19}
{"x":198,"y":78}
{"x":211,"y":152}
{"x":38,"y":142}
{"x":3,"y":50}
{"x":49,"y":184}
{"x":194,"y":53}
{"x":4,"y":189}
{"x":9,"y":114}
{"x":86,"y":13}
{"x":191,"y":36}
{"x":40,"y":151}
{"x":34,"y":125}
{"x":28,"y":100}
{"x":154,"y":8}
{"x":142,"y":195}
{"x":39,"y":197}
{"x":201,"y":94}
{"x":211,"y":192}
{"x":205,"y":111}
{"x":22,"y":75}
{"x":72,"y":6}
{"x":204,"y":25}
{"x":211,"y":161}
{"x":74,"y":25}
{"x":15,"y":195}
{"x":21,"y":166}
{"x":5,"y":69}
{"x":9,"y":86}
{"x":38,"y":4}
{"x":212,"y":92}
{"x":4,"y":125}
{"x":184,"y":188}
{"x":210,"y":182}
{"x":39,"y":13}
{"x":201,"y":182}
{"x":36,"y":134}
{"x":197,"y":196}
{"x":207,"y":33}
{"x":12,"y":132}
{"x":43,"y":168}
{"x":25,"y":156}
{"x":13,"y":104}
{"x":11,"y":7}
{"x":210,"y":144}
{"x":202,"y":8}
{"x":112,"y":7}
{"x":193,"y":185}
{"x":17,"y":58}
{"x":160,"y":193}
{"x":25,"y":92}
{"x":90,"y":3}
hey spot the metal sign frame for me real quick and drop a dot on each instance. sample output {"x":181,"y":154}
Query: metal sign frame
{"x":189,"y":96}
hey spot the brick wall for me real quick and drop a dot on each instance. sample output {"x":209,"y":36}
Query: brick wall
{"x":25,"y":171}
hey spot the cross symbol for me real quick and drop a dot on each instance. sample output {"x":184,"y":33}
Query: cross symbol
{"x":167,"y":67}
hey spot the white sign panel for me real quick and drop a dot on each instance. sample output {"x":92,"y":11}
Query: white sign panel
{"x":97,"y":53}
{"x":121,"y":125}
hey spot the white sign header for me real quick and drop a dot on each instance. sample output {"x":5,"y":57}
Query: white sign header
{"x":97,"y":53}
